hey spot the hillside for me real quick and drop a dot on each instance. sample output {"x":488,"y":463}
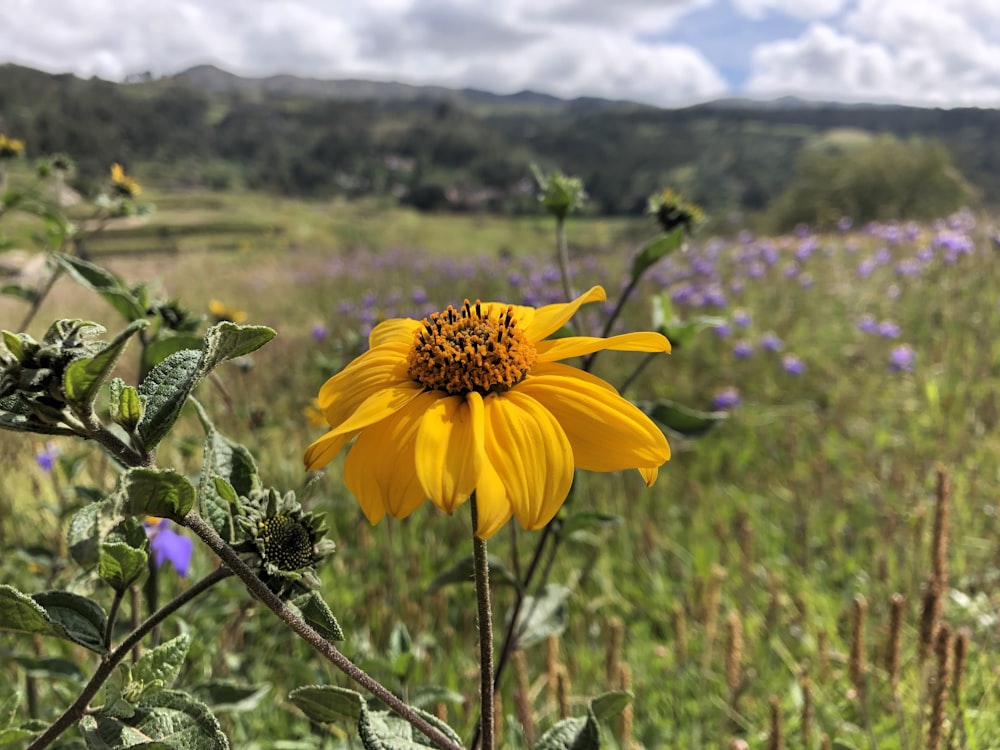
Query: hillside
{"x":439,"y":148}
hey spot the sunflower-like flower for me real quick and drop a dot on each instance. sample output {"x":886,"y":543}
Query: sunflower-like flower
{"x":124,"y":185}
{"x":476,"y":400}
{"x":222,"y":312}
{"x":282,"y":542}
{"x":10,"y":147}
{"x":672,"y":210}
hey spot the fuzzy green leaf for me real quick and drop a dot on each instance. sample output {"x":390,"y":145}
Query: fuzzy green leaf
{"x":126,"y":406}
{"x":56,"y":613}
{"x":8,"y":708}
{"x":327,"y":704}
{"x":231,"y":697}
{"x":21,"y":292}
{"x":106,"y":284}
{"x":683,"y":420}
{"x":381,"y":730}
{"x":228,"y":470}
{"x":85,"y":376}
{"x":166,"y":720}
{"x":120,"y":564}
{"x":228,"y":340}
{"x":88,"y":528}
{"x":163,"y":663}
{"x":542,"y":616}
{"x":162,"y":347}
{"x":164,"y":391}
{"x":13,"y":343}
{"x":578,"y":733}
{"x":164,"y":493}
{"x":17,"y":415}
{"x":656,"y":250}
{"x":316,"y":612}
{"x":609,"y":705}
{"x":463,"y":572}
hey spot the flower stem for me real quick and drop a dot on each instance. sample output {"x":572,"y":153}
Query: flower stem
{"x":301,"y":628}
{"x":481,"y":568}
{"x":111,"y":660}
{"x":562,"y":255}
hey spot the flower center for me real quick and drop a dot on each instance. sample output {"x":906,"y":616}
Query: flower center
{"x":460,"y":351}
{"x":285,"y":542}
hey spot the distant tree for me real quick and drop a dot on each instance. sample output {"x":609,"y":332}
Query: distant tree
{"x":851,"y":173}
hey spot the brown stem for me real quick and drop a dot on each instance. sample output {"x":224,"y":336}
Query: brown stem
{"x":301,"y":628}
{"x":481,"y":566}
{"x":111,"y":660}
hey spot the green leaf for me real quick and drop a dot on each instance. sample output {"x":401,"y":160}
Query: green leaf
{"x":51,"y":668}
{"x":228,"y":340}
{"x":228,"y":470}
{"x":463,"y":572}
{"x":316,"y":612}
{"x":162,"y":664}
{"x":656,"y":250}
{"x":8,"y":708}
{"x":683,"y":420}
{"x":609,"y":705}
{"x":231,"y":697}
{"x":88,"y":528}
{"x":126,"y":406}
{"x":83,"y":620}
{"x":21,"y":292}
{"x":17,"y":415}
{"x":120,"y":564}
{"x":162,"y":347}
{"x":587,"y":520}
{"x":106,"y":284}
{"x":543,"y":616}
{"x":381,"y":730}
{"x":682,"y":332}
{"x":327,"y":704}
{"x":84,"y":377}
{"x":164,"y":391}
{"x":431,"y":695}
{"x":163,"y":493}
{"x":15,"y":734}
{"x":576,"y":733}
{"x":166,"y":720}
{"x":13,"y":343}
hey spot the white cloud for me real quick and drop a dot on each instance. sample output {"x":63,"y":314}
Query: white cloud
{"x":806,"y":10}
{"x":569,"y":47}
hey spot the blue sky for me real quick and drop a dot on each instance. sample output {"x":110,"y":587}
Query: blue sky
{"x":663,"y":52}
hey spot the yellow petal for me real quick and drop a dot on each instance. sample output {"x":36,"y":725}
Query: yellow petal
{"x":560,"y":370}
{"x":607,"y":432}
{"x":576,"y":346}
{"x":397,"y":331}
{"x":531,"y":454}
{"x":380,"y":468}
{"x":492,"y":508}
{"x":322,"y":451}
{"x":543,"y":321}
{"x":449,"y":449}
{"x":649,"y":475}
{"x":378,"y":406}
{"x":372,"y":371}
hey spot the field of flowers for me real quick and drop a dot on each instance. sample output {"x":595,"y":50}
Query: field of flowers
{"x":821,"y":568}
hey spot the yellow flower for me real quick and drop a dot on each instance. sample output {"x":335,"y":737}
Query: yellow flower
{"x":125,"y":186}
{"x":475,"y":400}
{"x":10,"y":147}
{"x":221,"y":311}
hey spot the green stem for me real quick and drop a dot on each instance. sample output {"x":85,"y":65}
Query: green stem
{"x":562,"y":255}
{"x":301,"y":628}
{"x":481,"y":567}
{"x":109,"y":628}
{"x":111,"y":660}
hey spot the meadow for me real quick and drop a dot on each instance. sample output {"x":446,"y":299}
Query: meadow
{"x":819,"y":569}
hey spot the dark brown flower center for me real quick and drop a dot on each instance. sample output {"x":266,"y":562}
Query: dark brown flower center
{"x":471,"y":349}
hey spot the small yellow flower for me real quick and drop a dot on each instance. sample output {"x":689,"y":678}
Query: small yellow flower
{"x":221,"y":311}
{"x":124,"y":186}
{"x":475,"y":400}
{"x":10,"y":147}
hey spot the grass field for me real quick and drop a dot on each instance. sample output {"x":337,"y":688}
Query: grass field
{"x":751,"y":587}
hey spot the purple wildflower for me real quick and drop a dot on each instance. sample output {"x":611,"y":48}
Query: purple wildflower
{"x":741,"y":318}
{"x":902,"y":358}
{"x":770,"y":342}
{"x":722,"y":330}
{"x":726,"y":398}
{"x":742,"y":349}
{"x":790,"y":270}
{"x":867,"y":324}
{"x":845,"y":223}
{"x":866,"y":267}
{"x":319,"y":332}
{"x":168,"y":546}
{"x":793,"y":365}
{"x":888,"y":330}
{"x":46,"y":456}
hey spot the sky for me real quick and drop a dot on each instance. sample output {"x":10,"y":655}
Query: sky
{"x":662,"y":52}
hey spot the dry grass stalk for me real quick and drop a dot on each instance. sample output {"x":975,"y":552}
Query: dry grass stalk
{"x":552,"y":667}
{"x":613,"y":649}
{"x":930,"y":617}
{"x":627,"y":718}
{"x":734,"y":657}
{"x":522,"y":698}
{"x":856,"y":664}
{"x":897,"y":610}
{"x":712,"y":601}
{"x":961,"y":657}
{"x":775,"y":737}
{"x":562,"y":691}
{"x":940,"y":688}
{"x":807,"y":712}
{"x":939,"y":543}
